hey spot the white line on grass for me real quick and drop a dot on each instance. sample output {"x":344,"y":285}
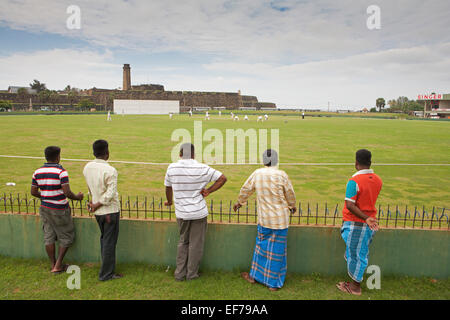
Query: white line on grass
{"x":241,"y":164}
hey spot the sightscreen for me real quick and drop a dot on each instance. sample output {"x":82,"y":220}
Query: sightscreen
{"x":146,"y":106}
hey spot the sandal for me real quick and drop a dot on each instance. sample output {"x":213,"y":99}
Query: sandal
{"x":345,"y":287}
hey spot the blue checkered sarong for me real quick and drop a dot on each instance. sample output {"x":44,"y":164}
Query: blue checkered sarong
{"x":357,"y":237}
{"x":269,"y":263}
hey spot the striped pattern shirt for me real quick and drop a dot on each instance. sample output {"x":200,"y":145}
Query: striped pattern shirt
{"x":274,"y":195}
{"x":49,"y":179}
{"x":188,"y":177}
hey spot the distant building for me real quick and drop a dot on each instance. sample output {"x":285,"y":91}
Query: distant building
{"x":435,"y":105}
{"x":15,"y":89}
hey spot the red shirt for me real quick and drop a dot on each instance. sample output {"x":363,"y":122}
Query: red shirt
{"x":362,"y":189}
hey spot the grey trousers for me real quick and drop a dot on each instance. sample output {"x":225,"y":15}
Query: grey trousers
{"x":108,"y":241}
{"x":190,"y":248}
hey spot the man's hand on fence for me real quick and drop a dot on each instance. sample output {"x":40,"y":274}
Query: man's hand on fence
{"x":236,"y":206}
{"x":168,"y":203}
{"x":293,"y":210}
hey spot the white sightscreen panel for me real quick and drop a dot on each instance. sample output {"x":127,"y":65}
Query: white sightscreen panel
{"x":146,"y":106}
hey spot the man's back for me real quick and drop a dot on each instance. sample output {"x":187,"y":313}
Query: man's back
{"x":101,"y":179}
{"x":49,"y":179}
{"x":363,"y":189}
{"x":274,"y":194}
{"x":188,"y":177}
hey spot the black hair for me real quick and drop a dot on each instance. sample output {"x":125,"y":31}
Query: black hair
{"x":52,"y":153}
{"x":100,"y":148}
{"x":186,"y":150}
{"x":270,"y":158}
{"x":364,"y":157}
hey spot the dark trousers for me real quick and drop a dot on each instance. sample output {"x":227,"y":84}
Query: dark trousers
{"x":190,"y":248}
{"x":108,"y":240}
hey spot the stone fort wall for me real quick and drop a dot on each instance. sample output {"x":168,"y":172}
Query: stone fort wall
{"x":105,"y":98}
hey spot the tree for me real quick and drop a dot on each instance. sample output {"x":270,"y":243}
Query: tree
{"x":380,"y":103}
{"x":44,"y":95}
{"x":68,"y":88}
{"x":5,"y":104}
{"x":373,"y":109}
{"x":22,"y":92}
{"x":85,"y":104}
{"x":392,"y":103}
{"x":53,"y":97}
{"x":72,"y":96}
{"x":38,"y":86}
{"x":402,"y":104}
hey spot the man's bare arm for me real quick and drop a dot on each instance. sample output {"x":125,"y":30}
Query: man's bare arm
{"x":372,"y":222}
{"x":69,"y":194}
{"x":169,"y":196}
{"x":216,"y":186}
{"x":35,"y":192}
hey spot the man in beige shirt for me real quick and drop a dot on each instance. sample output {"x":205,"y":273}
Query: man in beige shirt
{"x":101,"y":179}
{"x":275,"y":202}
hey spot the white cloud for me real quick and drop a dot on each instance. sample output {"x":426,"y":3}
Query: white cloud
{"x":60,"y":67}
{"x":352,"y":81}
{"x":298,"y":53}
{"x":252,"y":29}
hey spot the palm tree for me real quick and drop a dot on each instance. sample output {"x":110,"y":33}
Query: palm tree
{"x":38,"y":86}
{"x":72,"y":95}
{"x":380,"y":103}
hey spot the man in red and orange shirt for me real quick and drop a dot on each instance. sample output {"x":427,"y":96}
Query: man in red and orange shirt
{"x":359,"y":220}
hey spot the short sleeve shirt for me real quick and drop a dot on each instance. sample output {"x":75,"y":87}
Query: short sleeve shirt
{"x":188,"y":177}
{"x":49,"y":179}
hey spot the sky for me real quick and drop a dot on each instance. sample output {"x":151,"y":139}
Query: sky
{"x":294,"y":53}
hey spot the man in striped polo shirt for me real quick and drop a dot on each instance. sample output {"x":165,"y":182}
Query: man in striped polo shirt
{"x":359,"y":220}
{"x":185,"y":183}
{"x":50,"y":183}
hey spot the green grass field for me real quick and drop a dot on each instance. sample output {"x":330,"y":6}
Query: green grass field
{"x":31,"y":279}
{"x":313,"y":140}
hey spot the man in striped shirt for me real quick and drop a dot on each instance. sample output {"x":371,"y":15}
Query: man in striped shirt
{"x":276,"y":201}
{"x":50,"y":183}
{"x":185,"y":183}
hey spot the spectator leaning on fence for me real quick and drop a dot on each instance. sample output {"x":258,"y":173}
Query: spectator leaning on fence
{"x":101,"y":179}
{"x":50,"y":183}
{"x":359,"y":220}
{"x":275,"y":201}
{"x":185,"y":183}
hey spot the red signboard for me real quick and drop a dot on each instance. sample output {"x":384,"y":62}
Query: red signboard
{"x":432,"y":96}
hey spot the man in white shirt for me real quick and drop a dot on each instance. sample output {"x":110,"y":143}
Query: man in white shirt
{"x":185,"y":183}
{"x":101,"y":179}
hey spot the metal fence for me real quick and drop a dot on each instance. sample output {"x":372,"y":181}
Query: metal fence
{"x":309,"y":214}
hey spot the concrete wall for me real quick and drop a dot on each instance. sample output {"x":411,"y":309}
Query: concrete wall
{"x":230,"y":246}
